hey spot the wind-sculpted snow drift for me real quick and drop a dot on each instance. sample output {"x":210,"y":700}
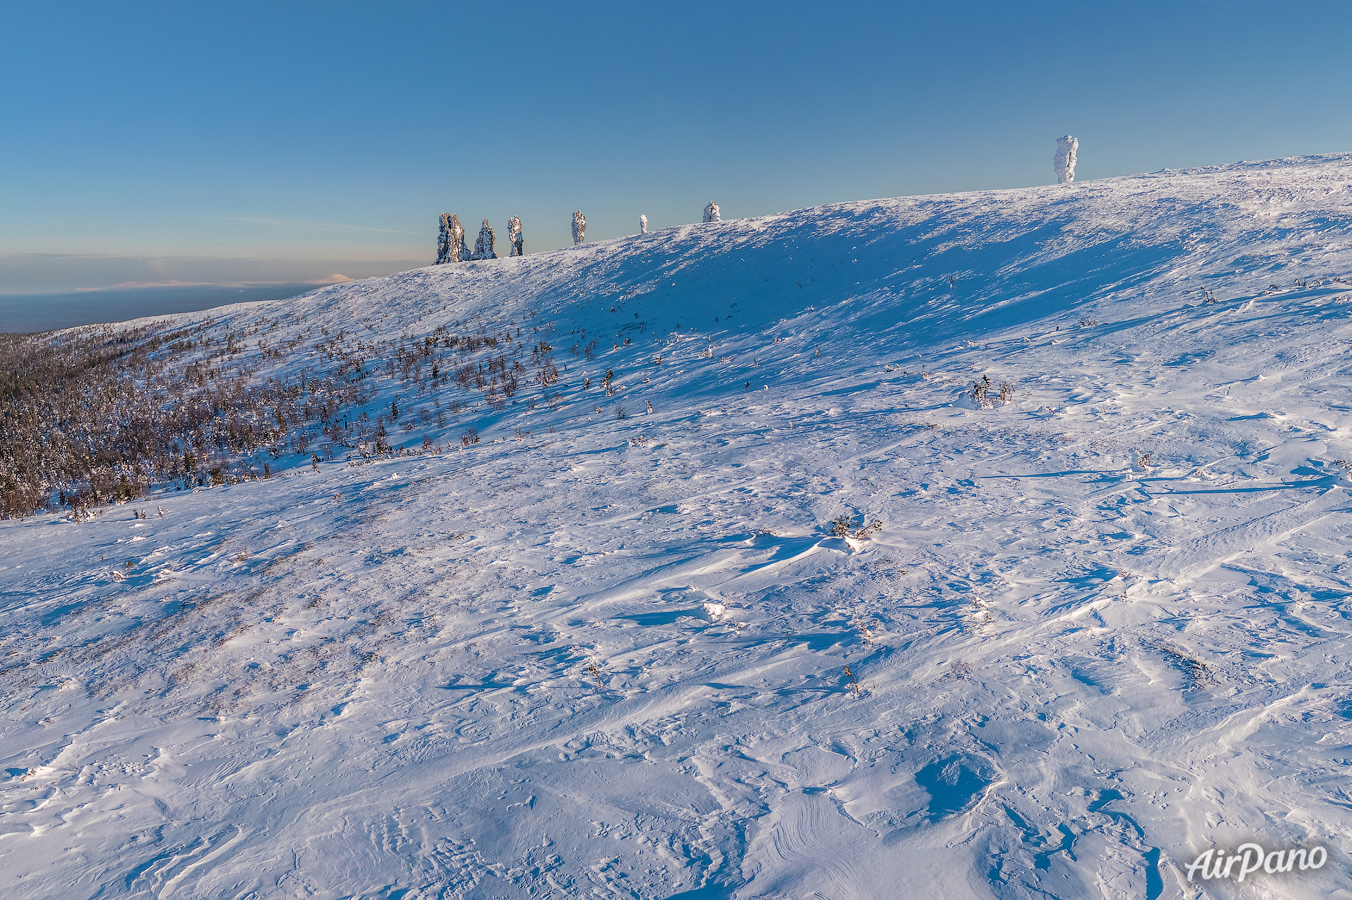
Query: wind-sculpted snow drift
{"x":554,"y":646}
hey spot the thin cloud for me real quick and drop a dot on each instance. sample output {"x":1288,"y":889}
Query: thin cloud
{"x":131,"y":285}
{"x":335,"y":278}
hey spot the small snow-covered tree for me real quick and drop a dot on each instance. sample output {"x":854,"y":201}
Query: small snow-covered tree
{"x":444,"y":240}
{"x":579,"y":228}
{"x":483,"y":245}
{"x":711,"y":212}
{"x":642,"y":224}
{"x":514,"y":236}
{"x":1064,"y":161}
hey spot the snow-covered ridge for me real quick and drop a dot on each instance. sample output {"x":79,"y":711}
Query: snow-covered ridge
{"x":1014,"y":256}
{"x":1099,"y":626}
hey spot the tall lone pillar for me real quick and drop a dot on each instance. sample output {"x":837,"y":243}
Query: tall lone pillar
{"x":579,"y":228}
{"x":514,"y":236}
{"x":711,"y":212}
{"x":642,"y":224}
{"x":1064,"y":161}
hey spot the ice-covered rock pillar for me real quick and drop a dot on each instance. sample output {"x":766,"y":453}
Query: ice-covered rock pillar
{"x":456,"y":251}
{"x":483,"y":245}
{"x":579,"y":228}
{"x":444,"y":240}
{"x":451,"y":243}
{"x":642,"y":224}
{"x":514,"y":236}
{"x":1064,"y":160}
{"x":711,"y":212}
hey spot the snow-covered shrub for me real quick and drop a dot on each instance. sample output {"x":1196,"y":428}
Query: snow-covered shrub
{"x":854,"y":683}
{"x":985,"y":394}
{"x":579,"y":228}
{"x":711,"y":212}
{"x":1064,"y":161}
{"x":642,"y":224}
{"x":843,"y":526}
{"x":483,"y":245}
{"x":514,"y":236}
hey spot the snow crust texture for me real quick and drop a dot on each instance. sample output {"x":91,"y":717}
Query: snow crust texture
{"x":1094,"y":624}
{"x":1064,"y":161}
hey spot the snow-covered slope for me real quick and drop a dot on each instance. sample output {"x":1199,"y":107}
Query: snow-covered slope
{"x":1101,"y":627}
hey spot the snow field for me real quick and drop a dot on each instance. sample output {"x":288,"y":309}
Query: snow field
{"x":1102,"y":628}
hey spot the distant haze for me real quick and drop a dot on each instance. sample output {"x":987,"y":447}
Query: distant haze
{"x":54,"y":273}
{"x":44,"y":312}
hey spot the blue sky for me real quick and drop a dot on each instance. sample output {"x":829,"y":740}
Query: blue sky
{"x":242,"y":142}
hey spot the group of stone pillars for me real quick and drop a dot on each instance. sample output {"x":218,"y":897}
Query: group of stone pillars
{"x":451,"y":243}
{"x":451,"y":246}
{"x":711,"y":214}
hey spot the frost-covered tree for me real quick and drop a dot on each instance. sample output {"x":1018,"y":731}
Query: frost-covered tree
{"x":579,"y":228}
{"x":642,"y":224}
{"x":444,"y":240}
{"x":1064,"y":161}
{"x":514,"y":236}
{"x":483,"y":245}
{"x":711,"y":212}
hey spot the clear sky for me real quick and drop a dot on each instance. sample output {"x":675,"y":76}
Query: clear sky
{"x":283,"y":141}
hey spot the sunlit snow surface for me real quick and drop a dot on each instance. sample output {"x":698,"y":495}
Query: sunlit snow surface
{"x":1077,"y":670}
